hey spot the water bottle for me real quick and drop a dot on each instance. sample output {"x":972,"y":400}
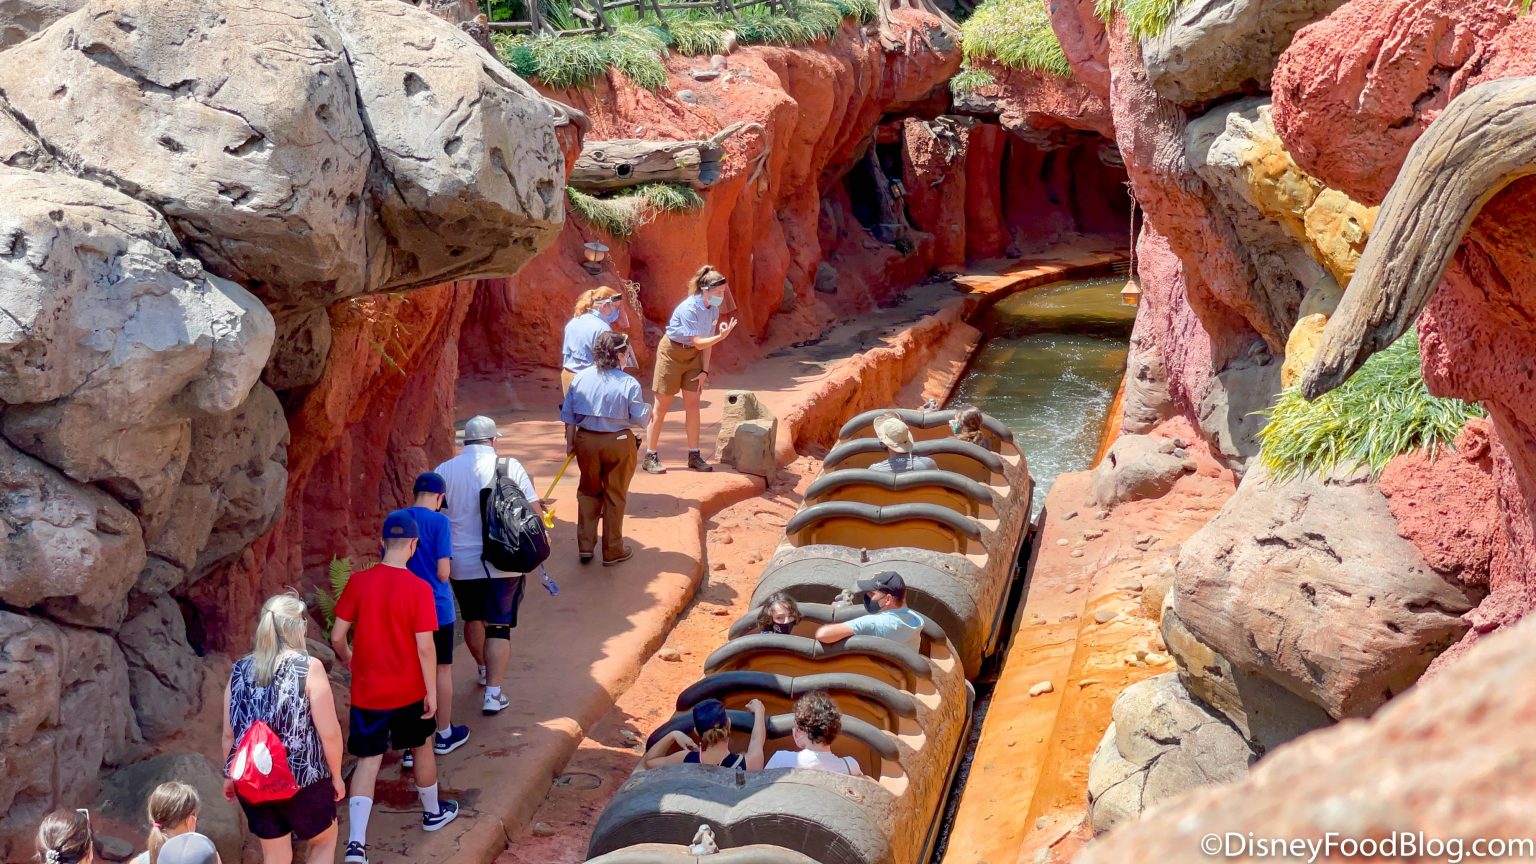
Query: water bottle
{"x":549,"y":583}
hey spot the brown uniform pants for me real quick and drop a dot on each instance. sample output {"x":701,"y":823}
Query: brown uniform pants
{"x":607,"y":462}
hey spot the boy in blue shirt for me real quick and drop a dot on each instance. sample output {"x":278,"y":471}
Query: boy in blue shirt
{"x":433,"y":552}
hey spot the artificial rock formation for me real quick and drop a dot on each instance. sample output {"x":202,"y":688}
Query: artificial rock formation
{"x":162,"y":276}
{"x":1162,"y":744}
{"x":1307,"y":582}
{"x":1137,"y":467}
{"x":1212,"y":48}
{"x":1369,"y":779}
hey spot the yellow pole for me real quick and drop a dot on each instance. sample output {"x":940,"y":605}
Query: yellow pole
{"x":549,"y":512}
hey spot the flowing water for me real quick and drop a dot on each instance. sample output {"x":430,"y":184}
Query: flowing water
{"x":1049,"y":369}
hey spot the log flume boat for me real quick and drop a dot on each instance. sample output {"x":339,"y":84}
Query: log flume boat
{"x":954,"y":535}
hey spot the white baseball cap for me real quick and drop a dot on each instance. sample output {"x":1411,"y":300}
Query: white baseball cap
{"x":480,"y":428}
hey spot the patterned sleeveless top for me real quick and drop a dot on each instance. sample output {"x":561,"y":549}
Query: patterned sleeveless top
{"x":285,"y":707}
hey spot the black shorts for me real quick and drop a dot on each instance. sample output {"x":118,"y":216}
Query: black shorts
{"x":306,"y":815}
{"x":442,"y":639}
{"x":494,"y":601}
{"x":374,"y":732}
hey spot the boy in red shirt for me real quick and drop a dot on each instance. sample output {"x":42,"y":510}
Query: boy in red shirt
{"x":394,"y":678}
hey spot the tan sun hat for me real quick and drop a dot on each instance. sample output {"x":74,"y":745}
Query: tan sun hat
{"x":893,"y":433}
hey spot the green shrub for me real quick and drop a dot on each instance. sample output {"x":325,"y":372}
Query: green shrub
{"x":567,"y":62}
{"x":970,"y":79}
{"x":619,"y":214}
{"x":1014,"y":33}
{"x":1382,"y":411}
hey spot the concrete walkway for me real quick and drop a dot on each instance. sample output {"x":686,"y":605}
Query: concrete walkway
{"x":575,"y":654}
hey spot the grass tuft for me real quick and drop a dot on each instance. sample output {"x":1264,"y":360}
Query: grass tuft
{"x":1143,"y":18}
{"x":1014,"y":33}
{"x":620,"y":214}
{"x":1382,"y":411}
{"x":970,"y":79}
{"x":638,"y":47}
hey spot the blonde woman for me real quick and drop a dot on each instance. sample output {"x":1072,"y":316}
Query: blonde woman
{"x":597,"y":311}
{"x":682,"y":363}
{"x":172,"y":810}
{"x":281,"y":684}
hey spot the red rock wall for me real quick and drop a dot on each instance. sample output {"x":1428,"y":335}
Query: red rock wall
{"x":1352,"y":94}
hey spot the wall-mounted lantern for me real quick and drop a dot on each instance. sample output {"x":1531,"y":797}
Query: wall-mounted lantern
{"x":595,"y":253}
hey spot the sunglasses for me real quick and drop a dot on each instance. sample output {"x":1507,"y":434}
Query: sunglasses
{"x":608,"y":301}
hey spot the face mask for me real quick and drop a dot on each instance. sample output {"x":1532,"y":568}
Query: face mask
{"x":954,"y":426}
{"x":780,"y":629}
{"x":870,"y":605}
{"x":714,"y":301}
{"x":611,"y":315}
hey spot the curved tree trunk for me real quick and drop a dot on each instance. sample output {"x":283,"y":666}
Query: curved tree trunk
{"x":1484,"y":140}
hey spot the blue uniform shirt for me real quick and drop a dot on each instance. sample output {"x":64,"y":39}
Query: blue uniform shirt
{"x":435,"y":543}
{"x":604,"y":400}
{"x":691,"y":319}
{"x":580,"y":333}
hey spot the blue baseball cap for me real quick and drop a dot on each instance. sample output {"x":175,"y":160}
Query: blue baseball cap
{"x":400,"y":524}
{"x":431,"y":481}
{"x":709,"y":714}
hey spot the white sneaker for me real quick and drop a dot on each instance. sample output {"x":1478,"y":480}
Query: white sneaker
{"x":480,"y":675}
{"x":494,"y":704}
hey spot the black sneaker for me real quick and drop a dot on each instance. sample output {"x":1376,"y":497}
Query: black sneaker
{"x":697,"y":463}
{"x":652,"y":464}
{"x":356,"y":853}
{"x":449,"y":811}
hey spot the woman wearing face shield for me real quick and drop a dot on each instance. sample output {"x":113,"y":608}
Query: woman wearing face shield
{"x":597,"y":311}
{"x":682,"y":363}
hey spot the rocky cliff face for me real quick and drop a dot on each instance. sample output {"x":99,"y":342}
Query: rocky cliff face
{"x":181,"y":208}
{"x":1260,"y":138}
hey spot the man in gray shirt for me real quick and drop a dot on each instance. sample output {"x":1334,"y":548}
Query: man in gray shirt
{"x":898,"y":442}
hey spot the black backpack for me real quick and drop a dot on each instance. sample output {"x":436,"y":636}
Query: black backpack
{"x":513,"y":539}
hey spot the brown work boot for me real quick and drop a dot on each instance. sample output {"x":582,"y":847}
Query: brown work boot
{"x":629,"y":553}
{"x":697,"y":463}
{"x":652,"y":464}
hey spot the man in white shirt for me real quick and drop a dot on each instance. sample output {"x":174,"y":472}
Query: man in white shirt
{"x":488,"y":598}
{"x":885,"y":599}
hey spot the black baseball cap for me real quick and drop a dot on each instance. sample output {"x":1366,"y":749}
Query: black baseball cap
{"x":709,"y":714}
{"x":431,"y":481}
{"x":888,"y":581}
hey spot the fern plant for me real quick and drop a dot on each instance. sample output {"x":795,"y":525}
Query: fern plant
{"x":339,"y":572}
{"x":1383,"y":410}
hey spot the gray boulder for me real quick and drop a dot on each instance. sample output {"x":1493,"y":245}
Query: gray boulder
{"x":114,"y":341}
{"x":164,"y":674}
{"x":1307,"y":583}
{"x":68,"y":546}
{"x":1147,"y":401}
{"x":1229,"y":412}
{"x":21,"y":18}
{"x":1266,"y":714}
{"x":1136,"y":467}
{"x":359,"y":161}
{"x":67,"y":713}
{"x":123,"y":793}
{"x":1215,"y":47}
{"x":1163,"y":743}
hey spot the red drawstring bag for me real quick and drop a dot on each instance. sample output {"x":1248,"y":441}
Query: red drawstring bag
{"x":260,"y":767}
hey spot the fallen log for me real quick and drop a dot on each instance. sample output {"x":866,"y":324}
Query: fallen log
{"x":607,"y":165}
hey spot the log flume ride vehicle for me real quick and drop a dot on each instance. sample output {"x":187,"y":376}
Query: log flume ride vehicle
{"x":954,"y":535}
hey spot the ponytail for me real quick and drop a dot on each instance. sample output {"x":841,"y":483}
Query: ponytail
{"x":170,"y":804}
{"x":64,"y":837}
{"x":280,"y":628}
{"x":706,"y":277}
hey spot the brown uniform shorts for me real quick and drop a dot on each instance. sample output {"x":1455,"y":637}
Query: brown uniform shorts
{"x":677,"y":368}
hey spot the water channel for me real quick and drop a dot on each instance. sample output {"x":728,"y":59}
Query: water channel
{"x":1049,"y":368}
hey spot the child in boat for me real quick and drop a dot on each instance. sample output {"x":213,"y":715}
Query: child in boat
{"x":817,"y":725}
{"x":779,"y":614}
{"x":712,"y":725}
